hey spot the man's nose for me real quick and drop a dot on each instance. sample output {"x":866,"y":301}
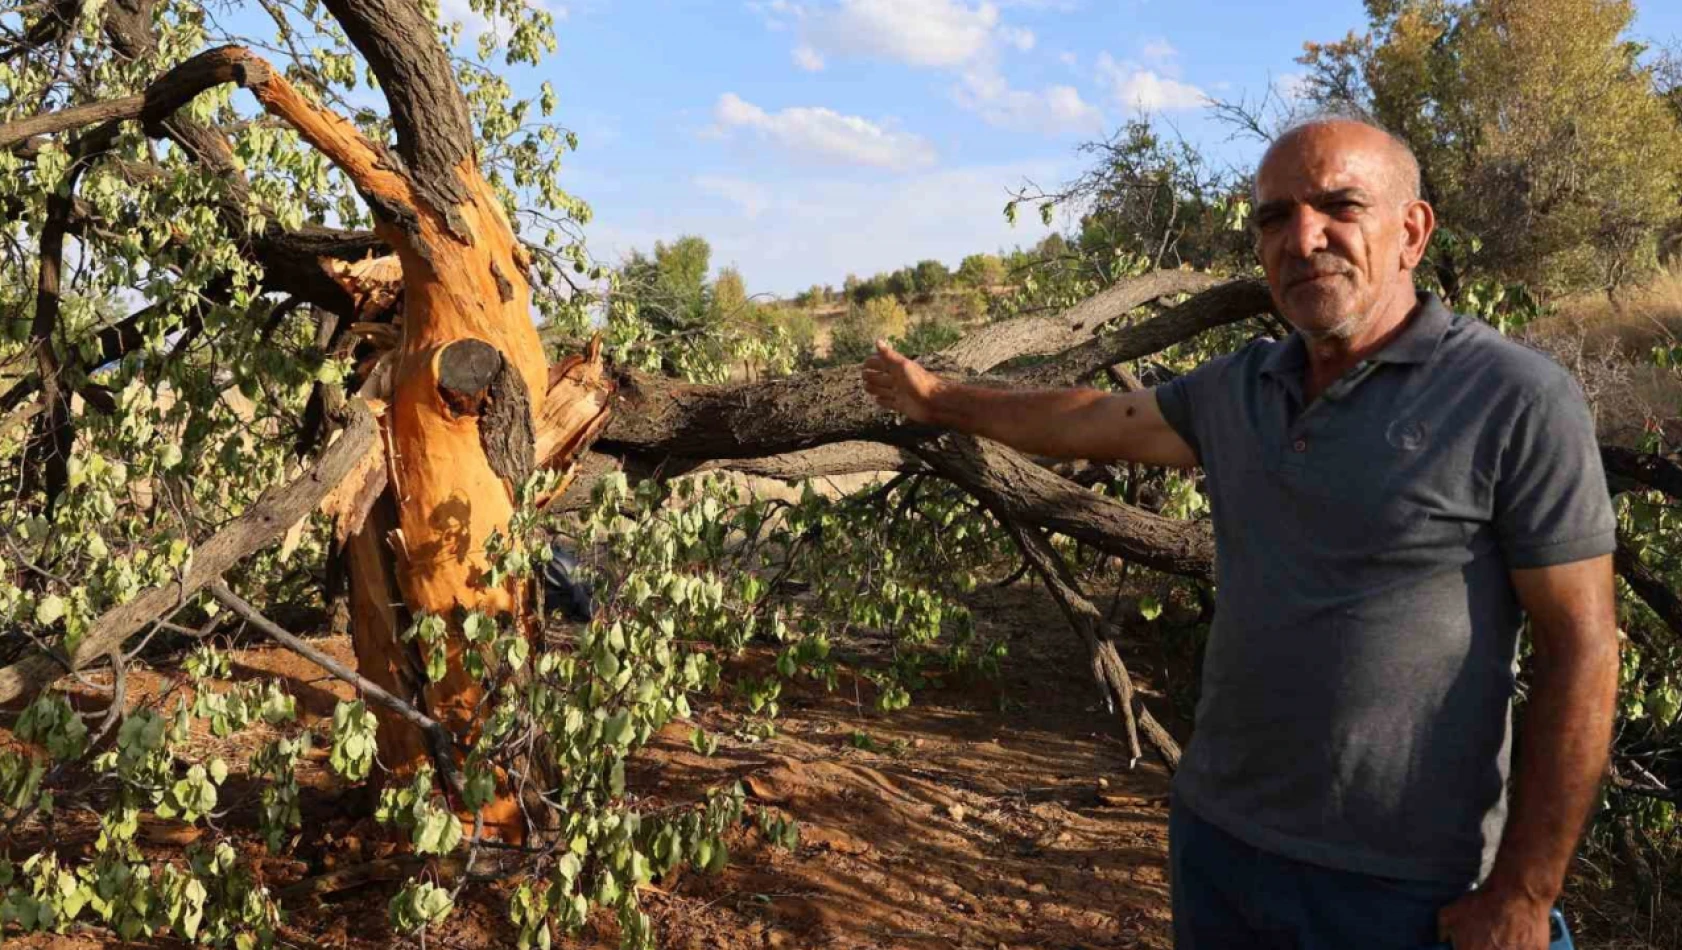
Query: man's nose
{"x":1306,"y":235}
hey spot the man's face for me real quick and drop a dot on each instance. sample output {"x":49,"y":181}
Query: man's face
{"x":1332,"y":226}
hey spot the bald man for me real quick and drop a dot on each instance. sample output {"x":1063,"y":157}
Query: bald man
{"x":1395,"y":489}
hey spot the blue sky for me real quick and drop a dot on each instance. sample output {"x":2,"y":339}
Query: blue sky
{"x":806,"y":139}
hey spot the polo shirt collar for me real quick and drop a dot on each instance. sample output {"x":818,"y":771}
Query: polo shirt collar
{"x":1416,"y":343}
{"x":1420,"y":335}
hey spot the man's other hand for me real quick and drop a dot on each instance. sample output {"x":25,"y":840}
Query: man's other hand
{"x":899,"y":384}
{"x":1494,"y":919}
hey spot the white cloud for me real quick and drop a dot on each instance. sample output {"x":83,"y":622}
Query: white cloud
{"x":1160,"y":52}
{"x":825,"y":134}
{"x":807,"y":58}
{"x":1052,"y":110}
{"x":1017,"y":37}
{"x":1134,"y":87}
{"x":928,"y":33}
{"x":748,"y":197}
{"x":786,"y":235}
{"x":1069,"y":59}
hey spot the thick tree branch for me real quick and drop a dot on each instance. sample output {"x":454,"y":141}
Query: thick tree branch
{"x":997,"y":343}
{"x":162,"y":97}
{"x":664,"y":417}
{"x":1653,"y":471}
{"x":1227,"y":303}
{"x":428,"y":110}
{"x":1023,"y":492}
{"x":262,"y":522}
{"x":1652,"y":589}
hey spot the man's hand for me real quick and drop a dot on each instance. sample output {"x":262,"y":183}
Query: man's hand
{"x":1494,"y":919}
{"x":899,"y":384}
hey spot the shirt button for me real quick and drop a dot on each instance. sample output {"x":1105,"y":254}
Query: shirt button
{"x":1301,"y":445}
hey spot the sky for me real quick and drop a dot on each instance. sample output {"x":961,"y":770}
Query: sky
{"x":809,"y":139}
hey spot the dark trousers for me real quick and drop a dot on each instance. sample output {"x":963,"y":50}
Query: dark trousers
{"x":1228,"y":895}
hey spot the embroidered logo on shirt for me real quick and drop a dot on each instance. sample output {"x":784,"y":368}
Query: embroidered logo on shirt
{"x":1405,"y":434}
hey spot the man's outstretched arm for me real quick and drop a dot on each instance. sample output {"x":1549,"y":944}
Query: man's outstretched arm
{"x":1564,"y":744}
{"x":1062,"y":423}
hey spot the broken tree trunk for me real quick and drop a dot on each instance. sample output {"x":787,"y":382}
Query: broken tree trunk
{"x":463,"y":385}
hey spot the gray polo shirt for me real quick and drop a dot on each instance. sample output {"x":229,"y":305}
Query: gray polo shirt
{"x":1356,"y":702}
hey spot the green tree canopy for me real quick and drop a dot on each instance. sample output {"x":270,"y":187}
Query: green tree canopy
{"x":1544,"y":141}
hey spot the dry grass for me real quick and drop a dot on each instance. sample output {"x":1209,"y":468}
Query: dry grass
{"x":1643,"y":318}
{"x":1609,"y":348}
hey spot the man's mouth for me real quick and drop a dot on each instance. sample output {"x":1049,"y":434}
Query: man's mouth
{"x":1314,"y":278}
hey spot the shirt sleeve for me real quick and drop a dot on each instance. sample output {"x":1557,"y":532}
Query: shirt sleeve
{"x":1551,"y":502}
{"x":1185,"y":400}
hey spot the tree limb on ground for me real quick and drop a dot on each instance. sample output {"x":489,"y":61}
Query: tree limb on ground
{"x":664,"y":417}
{"x":1099,"y":637}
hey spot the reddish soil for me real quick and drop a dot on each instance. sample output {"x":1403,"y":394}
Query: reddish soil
{"x":988,"y":815}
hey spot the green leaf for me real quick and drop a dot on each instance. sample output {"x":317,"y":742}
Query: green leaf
{"x":1149,"y":607}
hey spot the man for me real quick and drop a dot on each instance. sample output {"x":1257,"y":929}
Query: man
{"x":1393,"y":488}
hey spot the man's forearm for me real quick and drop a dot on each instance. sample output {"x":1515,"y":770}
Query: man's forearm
{"x":1036,"y":422}
{"x":1565,"y":740}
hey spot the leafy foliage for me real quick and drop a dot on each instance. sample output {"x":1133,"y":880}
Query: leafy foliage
{"x":1541,"y":134}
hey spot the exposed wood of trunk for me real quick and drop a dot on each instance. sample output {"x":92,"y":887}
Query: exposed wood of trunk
{"x":258,"y":525}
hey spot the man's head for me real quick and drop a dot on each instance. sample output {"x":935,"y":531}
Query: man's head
{"x":1340,"y":225}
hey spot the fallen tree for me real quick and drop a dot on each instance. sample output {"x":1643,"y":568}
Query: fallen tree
{"x":436,"y":427}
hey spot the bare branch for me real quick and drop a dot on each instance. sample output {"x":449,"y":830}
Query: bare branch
{"x":438,"y":738}
{"x":1218,"y":306}
{"x":1100,"y":639}
{"x":166,"y":94}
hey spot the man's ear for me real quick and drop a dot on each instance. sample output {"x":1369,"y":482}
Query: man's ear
{"x":1418,"y":223}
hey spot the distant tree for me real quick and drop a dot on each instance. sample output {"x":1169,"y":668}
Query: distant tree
{"x":729,"y":297}
{"x":1549,"y":149}
{"x":886,"y":317}
{"x":981,"y":270}
{"x":930,"y":336}
{"x":932,"y":277}
{"x":855,"y":335}
{"x":970,"y":304}
{"x":902,"y":283}
{"x":864,"y":291}
{"x":669,"y":288}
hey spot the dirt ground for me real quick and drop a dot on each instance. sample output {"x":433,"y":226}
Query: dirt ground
{"x":988,"y":815}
